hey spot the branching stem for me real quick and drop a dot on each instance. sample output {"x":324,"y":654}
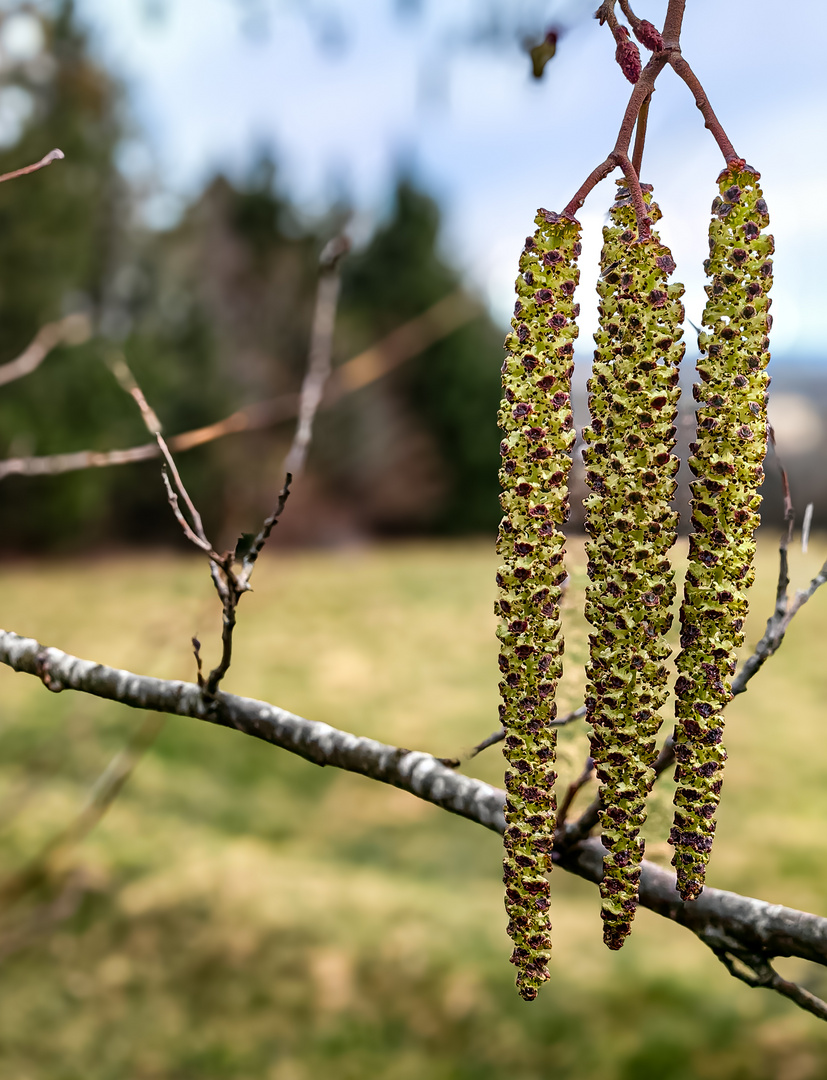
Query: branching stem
{"x":670,"y":54}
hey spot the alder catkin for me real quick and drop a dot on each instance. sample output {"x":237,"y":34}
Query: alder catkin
{"x":727,"y":463}
{"x":536,"y":421}
{"x":633,"y":395}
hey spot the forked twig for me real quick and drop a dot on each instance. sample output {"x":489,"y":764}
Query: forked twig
{"x":642,"y":90}
{"x":229,"y":582}
{"x":756,"y":971}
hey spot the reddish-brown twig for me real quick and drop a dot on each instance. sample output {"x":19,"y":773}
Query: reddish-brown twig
{"x":640,"y":133}
{"x":670,"y":54}
{"x":53,"y":155}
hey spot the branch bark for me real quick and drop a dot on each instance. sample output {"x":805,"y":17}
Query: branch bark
{"x":749,"y":930}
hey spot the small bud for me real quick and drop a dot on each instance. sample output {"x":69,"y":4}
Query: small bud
{"x":648,"y":35}
{"x":628,"y":57}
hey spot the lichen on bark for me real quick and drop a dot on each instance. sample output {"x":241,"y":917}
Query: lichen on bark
{"x":633,"y":395}
{"x":538,"y":436}
{"x":726,"y":460}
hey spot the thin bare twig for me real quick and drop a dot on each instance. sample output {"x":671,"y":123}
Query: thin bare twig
{"x":229,"y":583}
{"x":640,"y":133}
{"x":491,"y":740}
{"x":572,"y":791}
{"x":806,"y":525}
{"x":498,"y":736}
{"x":175,"y":488}
{"x":320,"y":359}
{"x":711,"y":121}
{"x":53,"y":155}
{"x":756,"y":971}
{"x":407,"y":341}
{"x":249,"y":560}
{"x":670,"y":54}
{"x":199,"y":668}
{"x":73,"y":330}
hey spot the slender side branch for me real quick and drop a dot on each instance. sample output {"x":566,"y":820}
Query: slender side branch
{"x":572,"y":791}
{"x":711,"y":121}
{"x":498,"y":736}
{"x":408,"y":340}
{"x":320,"y":359}
{"x":640,"y":133}
{"x":644,"y":222}
{"x":249,"y":560}
{"x":641,"y":90}
{"x":759,"y":928}
{"x":73,"y":330}
{"x":53,"y":155}
{"x":670,"y":54}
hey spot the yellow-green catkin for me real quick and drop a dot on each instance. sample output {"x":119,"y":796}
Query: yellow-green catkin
{"x":633,"y":395}
{"x":727,"y":463}
{"x":538,"y":435}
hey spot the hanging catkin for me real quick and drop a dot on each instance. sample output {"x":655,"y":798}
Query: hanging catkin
{"x":633,"y":394}
{"x":535,"y":417}
{"x":727,"y":461}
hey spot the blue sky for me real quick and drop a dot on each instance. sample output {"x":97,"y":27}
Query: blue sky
{"x":343,"y":91}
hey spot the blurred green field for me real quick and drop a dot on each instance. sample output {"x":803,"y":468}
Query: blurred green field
{"x":245,"y":914}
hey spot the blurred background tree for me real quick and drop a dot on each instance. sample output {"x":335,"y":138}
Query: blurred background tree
{"x":214,"y":313}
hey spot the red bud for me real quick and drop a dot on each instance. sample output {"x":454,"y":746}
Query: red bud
{"x":648,"y":35}
{"x":628,"y":57}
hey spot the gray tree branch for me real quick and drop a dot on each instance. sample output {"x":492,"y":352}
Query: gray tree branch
{"x":736,"y":928}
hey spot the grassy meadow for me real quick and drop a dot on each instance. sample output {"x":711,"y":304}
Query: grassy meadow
{"x":241,"y":913}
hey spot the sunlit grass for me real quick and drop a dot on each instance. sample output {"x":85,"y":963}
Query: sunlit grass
{"x":249,"y":914}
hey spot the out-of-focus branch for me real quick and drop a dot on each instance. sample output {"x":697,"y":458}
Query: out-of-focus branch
{"x":320,"y":358}
{"x":53,"y":155}
{"x":45,"y":917}
{"x":450,"y":313}
{"x":103,"y":793}
{"x":722,"y":920}
{"x":73,"y":330}
{"x":572,"y":791}
{"x":447,"y":315}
